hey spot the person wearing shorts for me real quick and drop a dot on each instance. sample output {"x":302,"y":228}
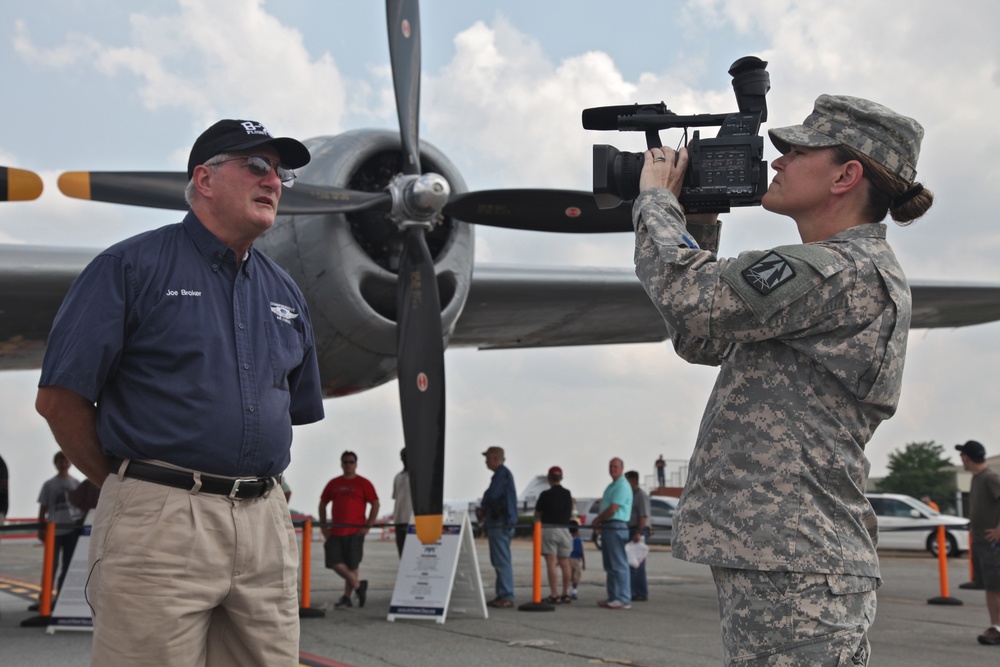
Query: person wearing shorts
{"x":350,"y":494}
{"x":554,"y":509}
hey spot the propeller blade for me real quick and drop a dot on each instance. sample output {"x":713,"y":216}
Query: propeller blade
{"x":19,"y":184}
{"x":305,"y":199}
{"x":567,"y":211}
{"x":420,"y":357}
{"x":154,"y":189}
{"x":165,"y":189}
{"x":404,"y":52}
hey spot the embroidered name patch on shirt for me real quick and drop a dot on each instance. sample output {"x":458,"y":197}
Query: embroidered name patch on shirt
{"x":769,"y":272}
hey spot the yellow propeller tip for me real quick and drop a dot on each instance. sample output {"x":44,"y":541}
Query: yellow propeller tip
{"x":429,"y":527}
{"x":23,"y":185}
{"x":75,"y":184}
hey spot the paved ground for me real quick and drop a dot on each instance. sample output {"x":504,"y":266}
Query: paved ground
{"x":678,"y":626}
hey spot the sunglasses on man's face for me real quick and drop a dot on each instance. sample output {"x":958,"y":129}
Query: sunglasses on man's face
{"x":260,"y":167}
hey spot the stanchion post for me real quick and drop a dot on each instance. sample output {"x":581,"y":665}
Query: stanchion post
{"x":48,"y":560}
{"x":971,"y":583}
{"x":45,"y":599}
{"x":943,"y":572}
{"x":536,"y":574}
{"x":305,"y":611}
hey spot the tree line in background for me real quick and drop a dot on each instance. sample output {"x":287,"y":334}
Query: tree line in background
{"x":922,"y":469}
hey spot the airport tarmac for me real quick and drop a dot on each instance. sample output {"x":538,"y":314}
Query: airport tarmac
{"x":678,"y":626}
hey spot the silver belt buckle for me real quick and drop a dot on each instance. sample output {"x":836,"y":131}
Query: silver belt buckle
{"x":236,"y":486}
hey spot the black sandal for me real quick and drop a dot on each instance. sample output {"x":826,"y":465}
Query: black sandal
{"x":552,"y":599}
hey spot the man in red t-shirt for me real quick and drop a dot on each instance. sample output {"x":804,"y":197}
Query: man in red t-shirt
{"x":349,"y":495}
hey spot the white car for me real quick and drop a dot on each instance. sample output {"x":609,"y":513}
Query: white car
{"x":906,"y":523}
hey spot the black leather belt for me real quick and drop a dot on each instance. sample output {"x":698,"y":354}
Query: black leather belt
{"x":251,"y":487}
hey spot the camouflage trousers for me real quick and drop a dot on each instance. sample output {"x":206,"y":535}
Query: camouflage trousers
{"x":793,"y":619}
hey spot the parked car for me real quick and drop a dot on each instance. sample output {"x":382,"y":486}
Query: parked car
{"x":662,"y":509}
{"x":906,"y":523}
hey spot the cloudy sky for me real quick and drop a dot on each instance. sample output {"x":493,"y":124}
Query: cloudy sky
{"x":106,"y":85}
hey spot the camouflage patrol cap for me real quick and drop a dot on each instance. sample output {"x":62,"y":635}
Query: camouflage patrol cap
{"x":888,"y":138}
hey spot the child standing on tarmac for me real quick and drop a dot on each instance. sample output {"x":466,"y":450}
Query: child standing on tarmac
{"x":577,"y":563}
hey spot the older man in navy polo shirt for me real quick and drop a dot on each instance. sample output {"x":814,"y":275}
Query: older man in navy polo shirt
{"x":174,"y":372}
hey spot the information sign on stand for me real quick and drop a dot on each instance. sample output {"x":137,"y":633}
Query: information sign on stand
{"x":72,"y":611}
{"x":434,"y":579}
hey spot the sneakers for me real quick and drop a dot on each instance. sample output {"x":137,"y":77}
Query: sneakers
{"x":572,"y":594}
{"x":362,"y":592}
{"x":991,"y":636}
{"x":344,"y":601}
{"x":613,"y":604}
{"x":617,"y":604}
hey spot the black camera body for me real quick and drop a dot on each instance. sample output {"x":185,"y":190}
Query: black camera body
{"x":724,"y":171}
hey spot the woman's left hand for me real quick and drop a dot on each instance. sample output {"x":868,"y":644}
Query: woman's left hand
{"x":660,"y":171}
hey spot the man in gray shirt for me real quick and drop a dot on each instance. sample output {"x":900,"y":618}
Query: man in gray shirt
{"x":984,"y":532}
{"x":639,"y":528}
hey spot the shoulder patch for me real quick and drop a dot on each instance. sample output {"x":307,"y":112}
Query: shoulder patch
{"x":768,"y":273}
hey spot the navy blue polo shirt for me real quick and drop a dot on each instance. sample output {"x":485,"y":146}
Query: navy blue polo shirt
{"x":189,"y":359}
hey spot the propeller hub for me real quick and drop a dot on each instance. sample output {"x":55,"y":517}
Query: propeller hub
{"x":418,"y":200}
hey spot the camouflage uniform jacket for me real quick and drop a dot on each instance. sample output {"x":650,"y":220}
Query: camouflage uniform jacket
{"x":810,"y":339}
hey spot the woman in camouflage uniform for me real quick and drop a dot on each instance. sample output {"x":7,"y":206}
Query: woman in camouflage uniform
{"x":810,"y":341}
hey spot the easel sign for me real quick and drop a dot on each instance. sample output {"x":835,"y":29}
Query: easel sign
{"x":436,"y":578}
{"x":72,"y":612}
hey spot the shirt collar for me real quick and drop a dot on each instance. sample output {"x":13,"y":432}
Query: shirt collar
{"x":874,"y":230}
{"x":211,"y":248}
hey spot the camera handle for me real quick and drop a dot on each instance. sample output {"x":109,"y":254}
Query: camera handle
{"x":653,"y":140}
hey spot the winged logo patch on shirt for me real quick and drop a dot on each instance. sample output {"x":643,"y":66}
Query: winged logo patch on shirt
{"x":768,"y":273}
{"x":283,"y":313}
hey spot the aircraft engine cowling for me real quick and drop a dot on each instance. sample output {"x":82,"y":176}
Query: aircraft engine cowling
{"x":346,"y":264}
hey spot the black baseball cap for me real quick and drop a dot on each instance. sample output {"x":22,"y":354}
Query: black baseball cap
{"x":229,"y":136}
{"x":975,"y":451}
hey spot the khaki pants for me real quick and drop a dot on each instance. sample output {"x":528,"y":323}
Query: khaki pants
{"x":192,"y":579}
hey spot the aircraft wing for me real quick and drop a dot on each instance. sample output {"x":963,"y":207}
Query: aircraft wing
{"x":509,"y":306}
{"x":33,"y":282}
{"x":523,"y":306}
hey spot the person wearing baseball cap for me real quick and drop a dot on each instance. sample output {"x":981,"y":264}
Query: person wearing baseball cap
{"x":984,"y":532}
{"x":810,"y":340}
{"x":172,"y":379}
{"x":554,"y":509}
{"x":497,"y":513}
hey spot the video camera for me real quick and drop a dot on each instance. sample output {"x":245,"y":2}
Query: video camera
{"x":726,"y":171}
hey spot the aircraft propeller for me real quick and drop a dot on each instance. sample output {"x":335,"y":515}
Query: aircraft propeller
{"x":19,"y":184}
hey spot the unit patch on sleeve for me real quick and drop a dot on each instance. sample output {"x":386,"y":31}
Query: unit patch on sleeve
{"x":769,"y":272}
